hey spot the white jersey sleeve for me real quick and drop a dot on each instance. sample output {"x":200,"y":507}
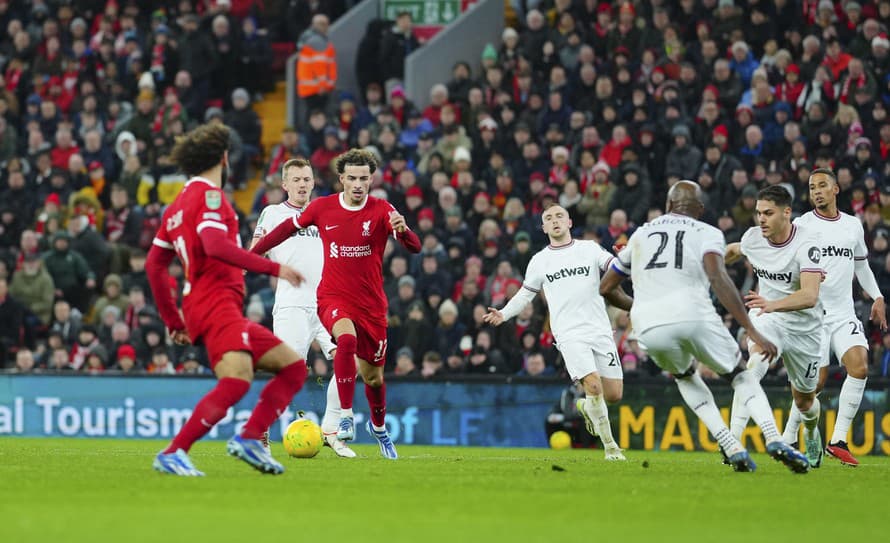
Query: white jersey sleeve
{"x":534,"y":277}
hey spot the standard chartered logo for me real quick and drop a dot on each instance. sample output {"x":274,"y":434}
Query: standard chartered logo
{"x":335,"y":251}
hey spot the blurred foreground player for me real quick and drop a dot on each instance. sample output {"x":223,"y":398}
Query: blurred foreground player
{"x":201,"y":228}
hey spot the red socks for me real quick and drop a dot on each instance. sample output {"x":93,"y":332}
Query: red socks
{"x":210,"y":410}
{"x":274,"y":398}
{"x":377,"y":403}
{"x":344,"y":369}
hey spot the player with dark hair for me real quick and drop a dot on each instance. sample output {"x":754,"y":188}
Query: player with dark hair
{"x":201,"y":228}
{"x":352,"y":306}
{"x":844,"y":256}
{"x":673,"y":260}
{"x":787,"y":261}
{"x":295,"y":316}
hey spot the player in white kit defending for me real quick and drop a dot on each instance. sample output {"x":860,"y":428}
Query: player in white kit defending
{"x":568,"y":271}
{"x":844,"y":256}
{"x":672,"y":261}
{"x":294,"y":315}
{"x":787,"y":260}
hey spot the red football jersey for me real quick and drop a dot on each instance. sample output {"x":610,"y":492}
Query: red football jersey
{"x":353,"y":239}
{"x":208,"y":281}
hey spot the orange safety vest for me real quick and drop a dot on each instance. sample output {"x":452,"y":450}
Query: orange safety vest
{"x":316,"y":70}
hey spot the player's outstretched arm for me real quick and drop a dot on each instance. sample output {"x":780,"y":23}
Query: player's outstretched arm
{"x":729,"y":297}
{"x":733,"y":253}
{"x":274,"y":238}
{"x":515,"y":306}
{"x":217,"y":245}
{"x":156,"y":264}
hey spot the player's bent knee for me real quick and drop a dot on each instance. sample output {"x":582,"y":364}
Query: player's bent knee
{"x":278,"y":358}
{"x":374,"y":380}
{"x":804,"y":403}
{"x":235,"y":365}
{"x":855,"y":361}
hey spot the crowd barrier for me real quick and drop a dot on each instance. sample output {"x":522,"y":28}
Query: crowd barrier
{"x":494,"y":412}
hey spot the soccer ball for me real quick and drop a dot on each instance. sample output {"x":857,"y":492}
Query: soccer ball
{"x":303,"y":439}
{"x":560,"y":440}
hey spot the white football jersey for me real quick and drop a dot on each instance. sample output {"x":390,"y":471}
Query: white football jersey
{"x":570,"y":278}
{"x":303,"y":252}
{"x":665,"y":259}
{"x":842,"y":241}
{"x":778,"y":269}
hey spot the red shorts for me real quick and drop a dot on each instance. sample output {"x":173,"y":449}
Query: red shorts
{"x":370,"y":329}
{"x":228,"y":330}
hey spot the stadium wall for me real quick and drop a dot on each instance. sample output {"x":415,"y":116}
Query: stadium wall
{"x":464,"y":39}
{"x":488,"y":413}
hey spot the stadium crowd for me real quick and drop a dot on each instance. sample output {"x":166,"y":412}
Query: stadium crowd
{"x":597,"y":106}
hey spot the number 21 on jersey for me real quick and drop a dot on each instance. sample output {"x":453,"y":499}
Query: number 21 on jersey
{"x":659,"y":261}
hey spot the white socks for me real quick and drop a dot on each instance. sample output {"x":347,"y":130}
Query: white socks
{"x":331,"y":420}
{"x":738,"y":420}
{"x":792,"y":427}
{"x":810,"y":419}
{"x":595,"y":407}
{"x":699,"y":398}
{"x":751,"y":399}
{"x":847,"y":407}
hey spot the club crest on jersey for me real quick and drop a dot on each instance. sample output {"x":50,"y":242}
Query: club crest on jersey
{"x":366,"y":228}
{"x":213,"y":199}
{"x":814,"y":254}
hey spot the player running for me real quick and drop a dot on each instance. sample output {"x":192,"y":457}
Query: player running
{"x":672,"y":261}
{"x":352,"y":306}
{"x":294,"y":316}
{"x":844,"y":256}
{"x":568,"y":271}
{"x":201,"y":228}
{"x":788,"y":263}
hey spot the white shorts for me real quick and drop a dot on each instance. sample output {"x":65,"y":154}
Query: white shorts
{"x":801,"y":352}
{"x":673,"y":346}
{"x":298,"y":327}
{"x":841,"y":336}
{"x":595,"y":355}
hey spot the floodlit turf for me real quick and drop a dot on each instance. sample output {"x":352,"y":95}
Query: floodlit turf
{"x":72,"y":490}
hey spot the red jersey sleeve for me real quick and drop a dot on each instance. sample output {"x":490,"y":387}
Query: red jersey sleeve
{"x":213,"y":211}
{"x":308,"y":216}
{"x":159,"y":258}
{"x":162,"y":237}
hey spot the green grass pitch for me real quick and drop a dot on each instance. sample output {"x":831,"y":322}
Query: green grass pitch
{"x":73,"y":490}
